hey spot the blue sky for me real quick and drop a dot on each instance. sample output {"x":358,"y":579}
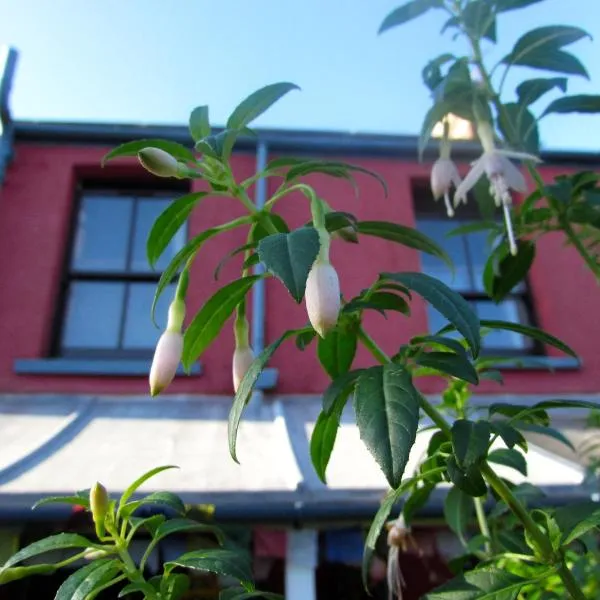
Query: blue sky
{"x":152,"y":61}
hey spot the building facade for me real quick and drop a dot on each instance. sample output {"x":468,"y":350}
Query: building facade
{"x":77,"y":343}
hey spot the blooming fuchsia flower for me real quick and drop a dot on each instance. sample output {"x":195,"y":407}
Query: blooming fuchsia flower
{"x":443,"y":175}
{"x":503,"y":175}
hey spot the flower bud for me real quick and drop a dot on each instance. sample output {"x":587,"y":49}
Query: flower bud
{"x":443,"y":174}
{"x":322,"y":297}
{"x":159,"y":163}
{"x":99,"y":506}
{"x":94,"y":553}
{"x":243,"y":357}
{"x":166,"y":360}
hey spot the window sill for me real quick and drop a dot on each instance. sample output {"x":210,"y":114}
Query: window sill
{"x":540,"y":363}
{"x":108,"y":367}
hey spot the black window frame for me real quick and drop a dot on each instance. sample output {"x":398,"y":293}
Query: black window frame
{"x":427,"y":209}
{"x":132,"y":190}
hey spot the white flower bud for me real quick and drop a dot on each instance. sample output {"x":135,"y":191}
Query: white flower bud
{"x":242,"y":359}
{"x":322,"y":297}
{"x":166,"y":360}
{"x":443,"y":174}
{"x":159,"y":163}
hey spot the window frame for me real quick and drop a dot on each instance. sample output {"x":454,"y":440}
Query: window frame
{"x":425,"y":208}
{"x":137,"y":192}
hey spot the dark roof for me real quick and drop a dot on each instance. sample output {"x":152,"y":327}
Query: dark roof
{"x":282,"y":140}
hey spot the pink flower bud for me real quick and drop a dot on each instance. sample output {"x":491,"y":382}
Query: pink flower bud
{"x":166,"y":360}
{"x":242,"y":359}
{"x":322,"y":297}
{"x":443,"y":174}
{"x":158,"y":162}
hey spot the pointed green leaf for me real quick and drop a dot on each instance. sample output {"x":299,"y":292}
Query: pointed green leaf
{"x":290,"y":256}
{"x":510,"y":436}
{"x":138,"y":586}
{"x":199,"y":123}
{"x":543,"y":430}
{"x":549,"y":59}
{"x":185,"y":525}
{"x":174,"y":586}
{"x":166,"y":499}
{"x":247,"y":385}
{"x":387,"y":415}
{"x":260,"y":228}
{"x":257,"y":103}
{"x":341,"y":386}
{"x":509,"y":458}
{"x":458,"y":511}
{"x":549,"y":37}
{"x":222,"y":562}
{"x":169,"y":223}
{"x":432,"y":74}
{"x":470,"y":440}
{"x":15,"y":573}
{"x":552,"y":404}
{"x":379,"y":301}
{"x":60,"y":541}
{"x":479,"y":19}
{"x":519,"y":127}
{"x":505,"y":5}
{"x":531,"y":90}
{"x":140,"y":481}
{"x":242,"y":594}
{"x":488,"y":583}
{"x":132,"y":148}
{"x":405,"y":236}
{"x":211,"y":318}
{"x":468,"y":480}
{"x":337,"y":349}
{"x":407,"y":12}
{"x":74,"y":500}
{"x":520,"y":412}
{"x":449,"y":363}
{"x":149,"y":523}
{"x":511,"y":270}
{"x":416,"y":501}
{"x":576,"y":520}
{"x":446,"y":301}
{"x":84,"y":581}
{"x":529,"y":331}
{"x":583,"y":103}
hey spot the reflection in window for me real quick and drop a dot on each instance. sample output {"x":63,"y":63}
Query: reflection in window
{"x":110,"y":283}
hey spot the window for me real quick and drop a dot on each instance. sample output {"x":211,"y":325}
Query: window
{"x":469,"y":254}
{"x":109,"y":285}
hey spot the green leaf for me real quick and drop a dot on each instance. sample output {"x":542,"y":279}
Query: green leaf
{"x":520,"y":412}
{"x":211,"y":318}
{"x":149,"y":523}
{"x":138,"y":586}
{"x":241,"y":594}
{"x":529,"y":331}
{"x":492,"y":375}
{"x":452,"y":364}
{"x":379,"y":301}
{"x":341,"y":386}
{"x":407,"y":12}
{"x":222,"y":562}
{"x":576,"y":520}
{"x":551,"y":404}
{"x":488,"y":583}
{"x":199,"y":123}
{"x":479,"y":19}
{"x":436,"y":341}
{"x":166,"y":499}
{"x":549,"y":59}
{"x":416,"y":501}
{"x":510,"y":436}
{"x":229,"y":255}
{"x":474,"y":227}
{"x":511,"y":270}
{"x":387,"y":415}
{"x":504,"y":5}
{"x":260,"y":228}
{"x":469,"y":480}
{"x":432,"y":74}
{"x":16,"y":573}
{"x":458,"y":511}
{"x":246,"y":386}
{"x":304,"y":339}
{"x":446,"y":301}
{"x":74,"y":500}
{"x":547,"y":38}
{"x":174,"y":586}
{"x":257,"y":103}
{"x":531,"y":90}
{"x":60,"y":541}
{"x":509,"y":458}
{"x":519,"y":127}
{"x":405,"y":236}
{"x":290,"y":256}
{"x":169,"y":223}
{"x":339,"y":169}
{"x":337,"y":349}
{"x":543,"y":430}
{"x":84,"y":581}
{"x":582,"y":103}
{"x":470,"y":441}
{"x":132,"y":148}
{"x":324,"y":435}
{"x":140,"y":481}
{"x":181,"y":525}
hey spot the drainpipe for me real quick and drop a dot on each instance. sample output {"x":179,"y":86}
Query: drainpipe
{"x":8,"y":62}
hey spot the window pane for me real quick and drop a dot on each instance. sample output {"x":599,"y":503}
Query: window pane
{"x":509,"y":310}
{"x":93,"y":315}
{"x":454,"y":246}
{"x":140,"y":333}
{"x":102,"y":234}
{"x":148,"y":209}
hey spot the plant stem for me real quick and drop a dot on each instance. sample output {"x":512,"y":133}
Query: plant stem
{"x":570,"y":582}
{"x":483,"y":524}
{"x":131,"y":570}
